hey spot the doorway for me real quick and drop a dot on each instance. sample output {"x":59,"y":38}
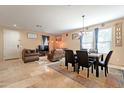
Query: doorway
{"x":11,"y":44}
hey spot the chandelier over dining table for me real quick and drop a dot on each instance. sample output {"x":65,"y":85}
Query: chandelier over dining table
{"x":81,"y":32}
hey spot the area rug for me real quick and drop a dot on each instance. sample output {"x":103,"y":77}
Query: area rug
{"x":114,"y":79}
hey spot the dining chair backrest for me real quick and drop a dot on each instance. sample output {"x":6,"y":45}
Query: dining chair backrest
{"x":83,"y":49}
{"x":69,"y":56}
{"x":82,"y":57}
{"x":108,"y":57}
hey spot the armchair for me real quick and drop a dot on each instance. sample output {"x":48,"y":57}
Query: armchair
{"x":29,"y":55}
{"x":55,"y":55}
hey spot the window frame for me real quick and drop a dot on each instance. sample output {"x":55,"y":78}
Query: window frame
{"x":88,"y":42}
{"x":106,"y":40}
{"x":94,"y":43}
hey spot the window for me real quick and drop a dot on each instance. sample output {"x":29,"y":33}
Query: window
{"x":104,"y":40}
{"x":101,"y":41}
{"x":87,"y":40}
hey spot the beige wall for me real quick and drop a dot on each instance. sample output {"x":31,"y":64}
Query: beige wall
{"x":69,"y":43}
{"x":52,"y":42}
{"x":1,"y":44}
{"x":117,"y":57}
{"x":33,"y":43}
{"x":29,"y":43}
{"x":24,"y":41}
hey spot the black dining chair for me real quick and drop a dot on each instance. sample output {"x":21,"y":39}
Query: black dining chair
{"x":82,"y":60}
{"x":91,"y":58}
{"x":70,"y":58}
{"x":104,"y":64}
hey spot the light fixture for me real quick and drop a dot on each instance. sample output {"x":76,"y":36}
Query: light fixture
{"x":83,"y":22}
{"x":14,"y":25}
{"x":81,"y":32}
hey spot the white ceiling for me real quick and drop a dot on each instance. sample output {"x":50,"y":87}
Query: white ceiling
{"x":57,"y":19}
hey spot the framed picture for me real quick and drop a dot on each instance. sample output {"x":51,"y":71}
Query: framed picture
{"x":118,"y":35}
{"x":75,"y":36}
{"x":32,"y":36}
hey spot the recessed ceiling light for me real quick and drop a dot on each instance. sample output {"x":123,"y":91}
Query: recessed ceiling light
{"x":14,"y":25}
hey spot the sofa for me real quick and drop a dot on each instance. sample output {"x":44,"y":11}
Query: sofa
{"x":29,"y":55}
{"x":56,"y":55}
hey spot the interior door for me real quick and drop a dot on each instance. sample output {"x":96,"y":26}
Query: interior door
{"x":11,"y":44}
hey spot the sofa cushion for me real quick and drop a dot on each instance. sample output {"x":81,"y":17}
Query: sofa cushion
{"x":28,"y":51}
{"x":52,"y":51}
{"x":31,"y":54}
{"x":31,"y":59}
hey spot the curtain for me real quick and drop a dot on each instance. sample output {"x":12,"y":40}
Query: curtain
{"x":45,"y":39}
{"x":96,"y":38}
{"x":81,"y":39}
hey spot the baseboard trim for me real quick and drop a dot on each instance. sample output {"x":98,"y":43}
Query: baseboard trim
{"x":10,"y":59}
{"x":116,"y":66}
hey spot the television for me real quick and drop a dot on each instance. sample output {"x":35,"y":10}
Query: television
{"x":43,"y":48}
{"x":46,"y":48}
